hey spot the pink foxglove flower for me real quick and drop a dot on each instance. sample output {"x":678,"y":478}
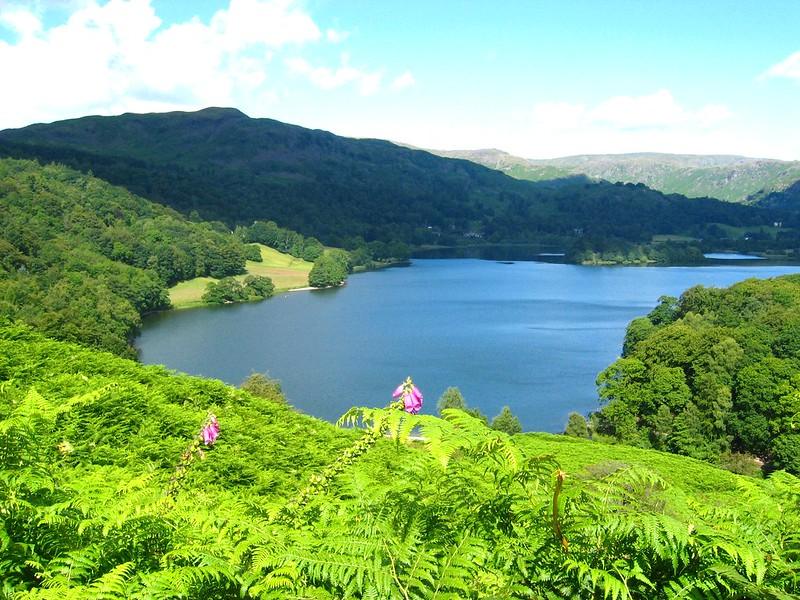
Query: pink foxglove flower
{"x":411,"y":396}
{"x":210,"y":432}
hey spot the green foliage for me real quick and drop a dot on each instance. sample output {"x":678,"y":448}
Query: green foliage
{"x":258,"y":286}
{"x":330,"y":269}
{"x":602,"y":250}
{"x":507,"y":422}
{"x":230,"y":289}
{"x":711,"y":375}
{"x":400,"y":507}
{"x":83,"y":260}
{"x":258,"y":384}
{"x":227,"y":166}
{"x":577,"y":426}
{"x":283,"y":240}
{"x":224,"y":291}
{"x":252,"y":252}
{"x":452,"y":398}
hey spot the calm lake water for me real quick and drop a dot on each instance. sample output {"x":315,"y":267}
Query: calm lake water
{"x":530,"y":335}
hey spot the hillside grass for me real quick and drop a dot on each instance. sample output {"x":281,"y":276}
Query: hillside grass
{"x":586,"y":459}
{"x":98,"y":494}
{"x":286,"y":272}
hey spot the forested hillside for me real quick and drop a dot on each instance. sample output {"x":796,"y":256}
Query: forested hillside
{"x":82,"y":260}
{"x":730,"y":178}
{"x":788,"y":198}
{"x":713,"y":373}
{"x":124,"y":481}
{"x":227,"y":166}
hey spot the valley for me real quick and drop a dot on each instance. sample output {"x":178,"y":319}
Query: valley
{"x":543,"y":335}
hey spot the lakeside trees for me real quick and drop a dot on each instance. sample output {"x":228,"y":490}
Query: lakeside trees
{"x":330,"y":269}
{"x":230,"y":289}
{"x":712,"y":373}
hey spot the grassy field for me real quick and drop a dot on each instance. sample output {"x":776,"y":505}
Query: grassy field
{"x":286,"y":272}
{"x":583,"y":458}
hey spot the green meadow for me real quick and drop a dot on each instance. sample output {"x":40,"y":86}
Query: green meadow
{"x":286,"y":272}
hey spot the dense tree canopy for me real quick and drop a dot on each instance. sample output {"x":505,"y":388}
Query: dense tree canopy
{"x":330,"y":269}
{"x":230,"y":289}
{"x":83,"y":260}
{"x":226,"y":166}
{"x":714,"y":372}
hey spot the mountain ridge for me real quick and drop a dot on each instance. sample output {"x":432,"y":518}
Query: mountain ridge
{"x":224,"y":165}
{"x":729,"y":177}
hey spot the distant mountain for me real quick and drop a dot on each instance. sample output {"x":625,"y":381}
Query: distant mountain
{"x":223,"y":165}
{"x":730,"y":178}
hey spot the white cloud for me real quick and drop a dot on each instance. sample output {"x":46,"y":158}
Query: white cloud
{"x":659,"y":110}
{"x":335,"y":36}
{"x":403,"y":81}
{"x":119,"y":56}
{"x":655,"y":122}
{"x":273,"y":23}
{"x":21,"y":21}
{"x":788,"y":67}
{"x":328,"y":79}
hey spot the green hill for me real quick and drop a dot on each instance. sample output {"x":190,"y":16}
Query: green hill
{"x":229,"y":167}
{"x":730,"y":178}
{"x":106,"y":491}
{"x":83,"y":260}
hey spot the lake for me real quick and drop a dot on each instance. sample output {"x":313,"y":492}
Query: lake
{"x":530,"y":335}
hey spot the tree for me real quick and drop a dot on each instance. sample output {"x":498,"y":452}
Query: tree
{"x":342,"y":258}
{"x":263,"y":386}
{"x":661,"y":427}
{"x":451,"y":398}
{"x":224,"y":291}
{"x":258,"y":286}
{"x":312,"y":249}
{"x":253,"y":252}
{"x":576,"y":426}
{"x":327,"y":272}
{"x":786,"y":453}
{"x":638,"y":330}
{"x":688,"y":435}
{"x":665,"y":312}
{"x":507,"y":422}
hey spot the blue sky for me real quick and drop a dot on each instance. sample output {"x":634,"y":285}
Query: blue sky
{"x":536,"y":78}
